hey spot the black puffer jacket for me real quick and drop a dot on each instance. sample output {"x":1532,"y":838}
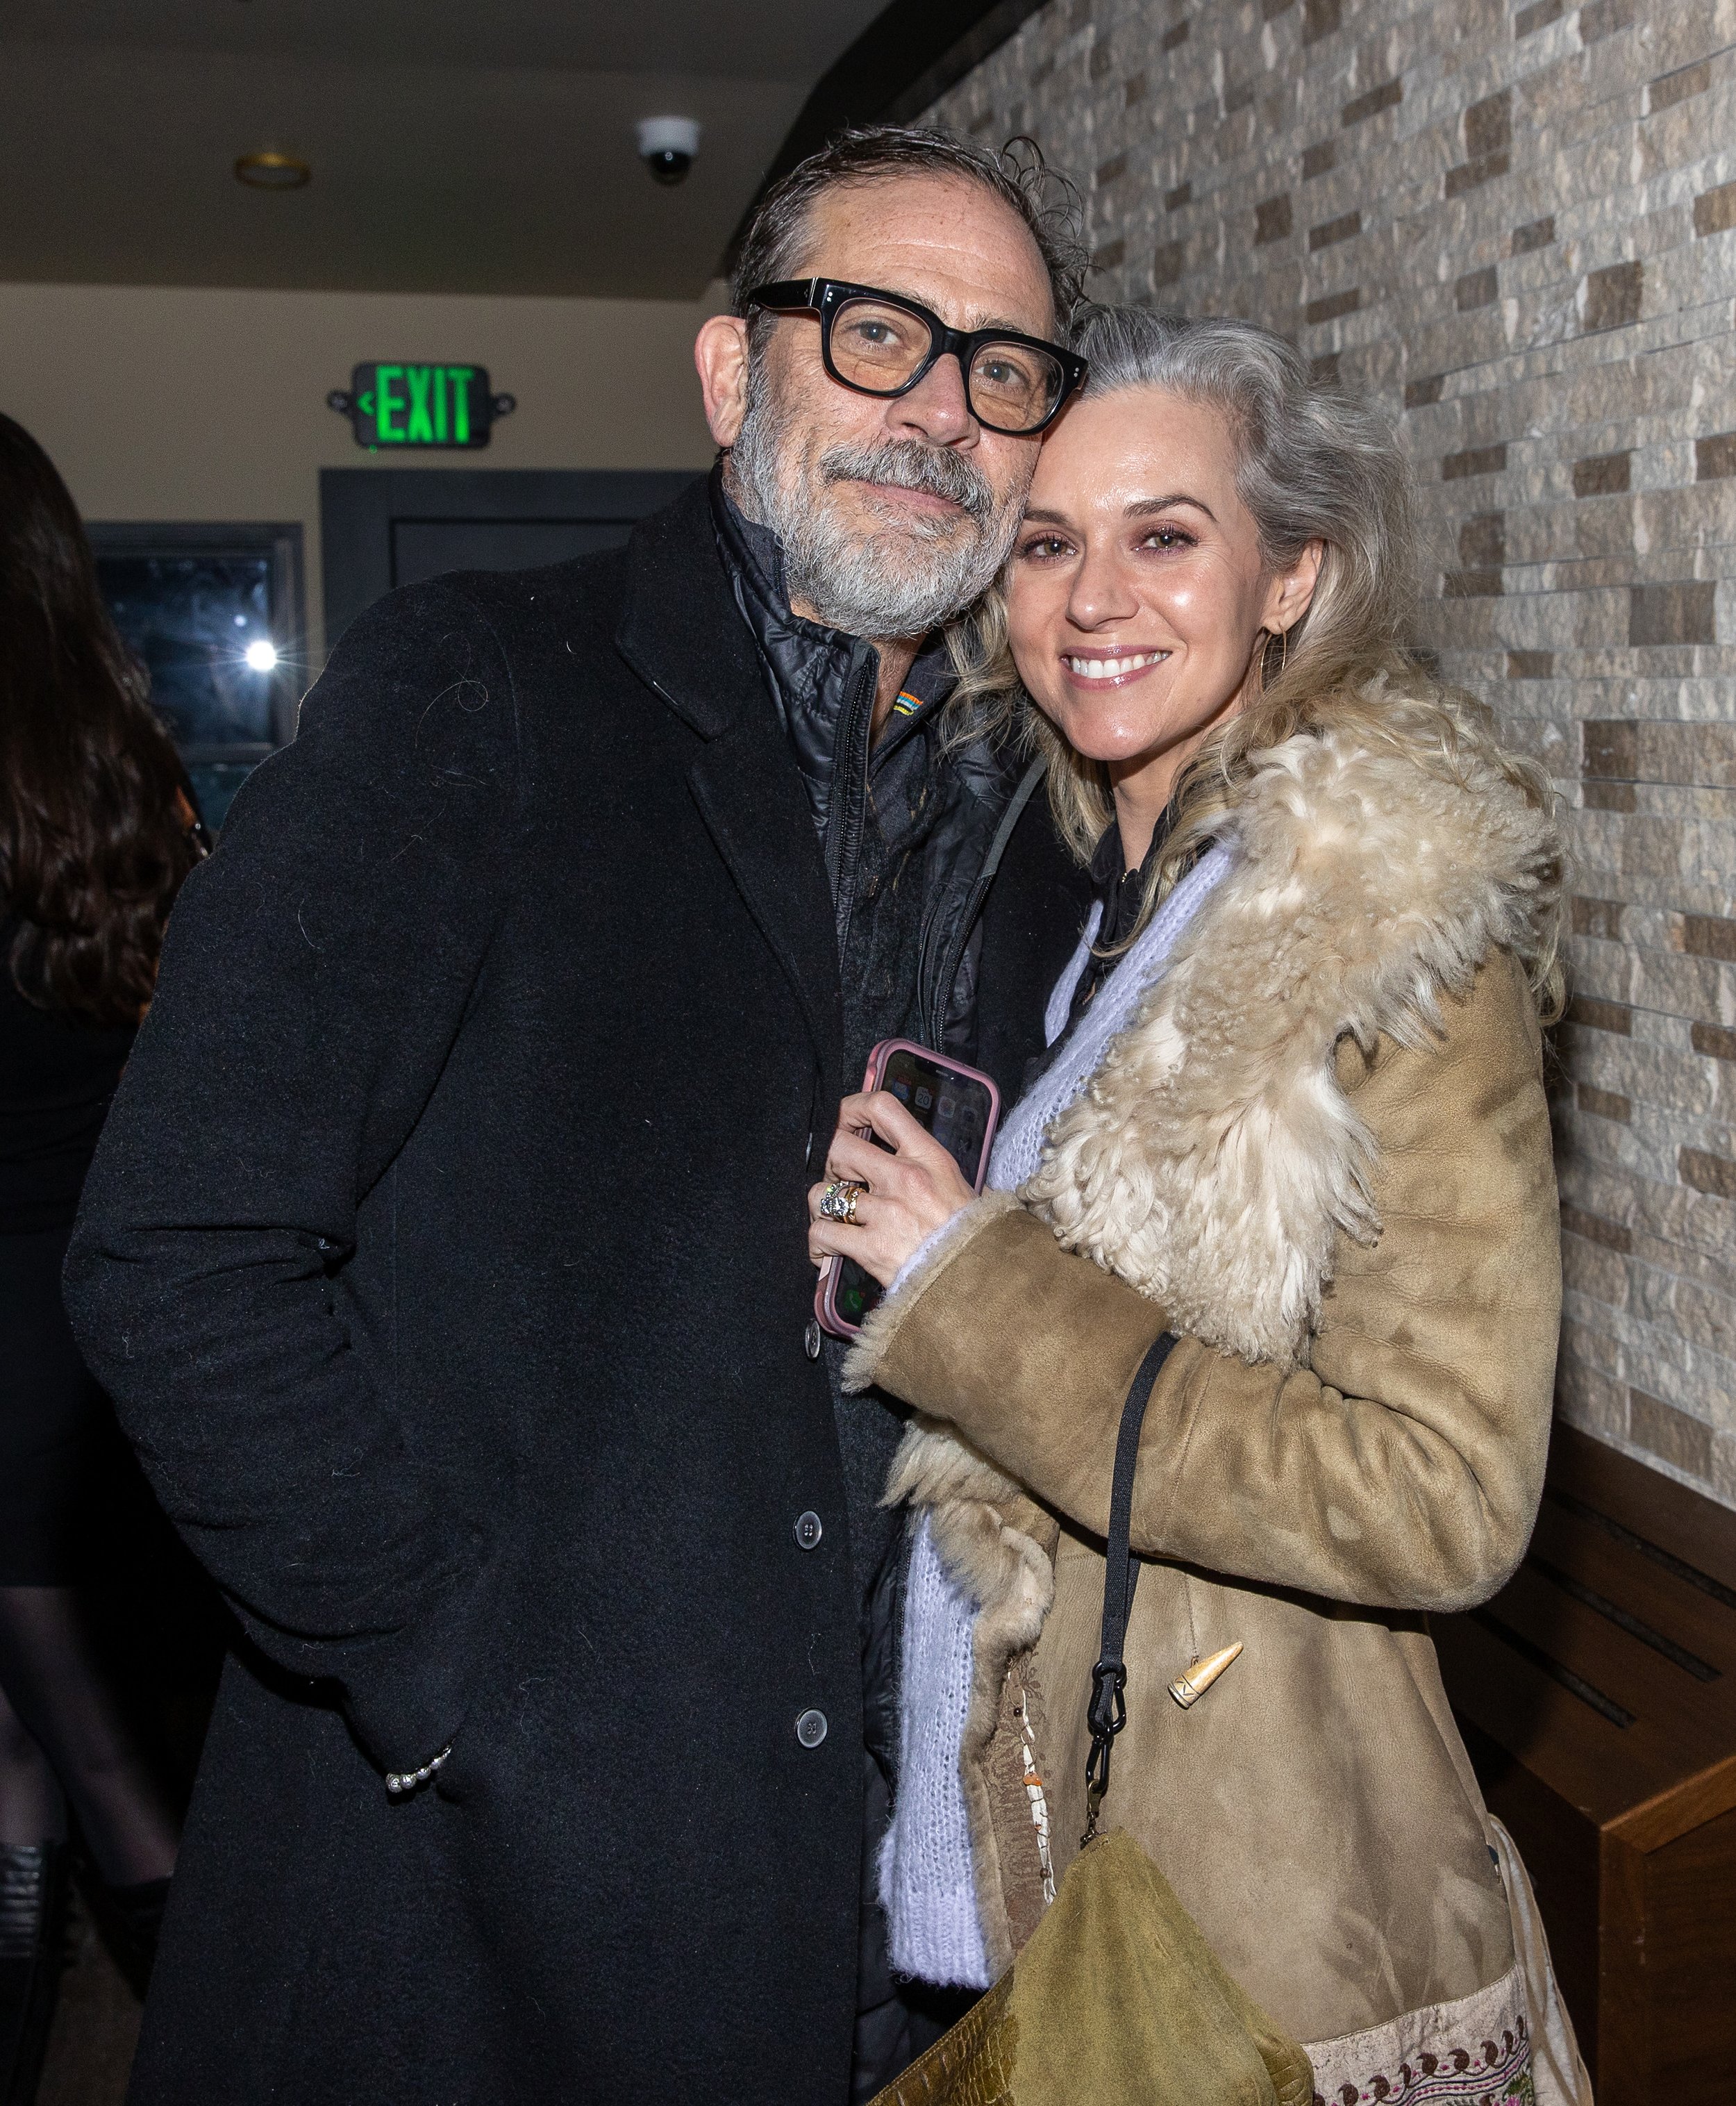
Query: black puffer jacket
{"x":903,"y":816}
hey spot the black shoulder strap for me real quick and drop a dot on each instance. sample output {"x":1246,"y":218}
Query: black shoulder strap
{"x":1107,"y":1712}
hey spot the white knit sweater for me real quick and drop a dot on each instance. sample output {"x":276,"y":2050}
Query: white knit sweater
{"x":927,"y":1885}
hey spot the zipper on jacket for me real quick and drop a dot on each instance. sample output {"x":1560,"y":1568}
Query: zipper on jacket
{"x":850,"y":774}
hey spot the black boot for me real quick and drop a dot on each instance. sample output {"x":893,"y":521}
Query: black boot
{"x":33,"y":1951}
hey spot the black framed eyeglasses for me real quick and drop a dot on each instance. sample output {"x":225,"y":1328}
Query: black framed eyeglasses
{"x":880,"y":343}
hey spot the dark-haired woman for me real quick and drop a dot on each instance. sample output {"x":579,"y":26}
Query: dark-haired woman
{"x":97,"y":833}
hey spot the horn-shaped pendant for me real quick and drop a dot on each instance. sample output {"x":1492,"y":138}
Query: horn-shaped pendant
{"x":1188,"y":1688}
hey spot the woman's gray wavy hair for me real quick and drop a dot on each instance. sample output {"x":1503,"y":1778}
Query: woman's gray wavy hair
{"x":1316,"y":463}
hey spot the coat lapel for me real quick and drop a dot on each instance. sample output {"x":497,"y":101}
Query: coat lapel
{"x":684,"y":635}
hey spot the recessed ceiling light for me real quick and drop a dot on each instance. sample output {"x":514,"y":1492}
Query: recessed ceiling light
{"x":273,"y":171}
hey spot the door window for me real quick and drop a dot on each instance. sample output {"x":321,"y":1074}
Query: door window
{"x":214,"y":614}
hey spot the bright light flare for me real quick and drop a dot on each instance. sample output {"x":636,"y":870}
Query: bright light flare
{"x":262,"y":655}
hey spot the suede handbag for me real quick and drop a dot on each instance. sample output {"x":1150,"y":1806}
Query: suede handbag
{"x":1116,"y":1999}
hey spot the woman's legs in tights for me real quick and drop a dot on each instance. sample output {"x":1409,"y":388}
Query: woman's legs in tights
{"x":32,"y":1808}
{"x":59,"y":1705}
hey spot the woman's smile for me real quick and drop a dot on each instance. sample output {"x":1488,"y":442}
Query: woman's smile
{"x":1114,"y":666}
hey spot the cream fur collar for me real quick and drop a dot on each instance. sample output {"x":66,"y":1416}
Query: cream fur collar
{"x":1214,"y":1159}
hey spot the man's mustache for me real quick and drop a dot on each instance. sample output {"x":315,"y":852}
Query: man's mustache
{"x":909,"y":466}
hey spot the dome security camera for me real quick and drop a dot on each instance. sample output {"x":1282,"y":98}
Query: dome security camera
{"x":667,"y":146}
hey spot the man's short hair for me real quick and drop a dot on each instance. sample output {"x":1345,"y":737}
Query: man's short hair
{"x":1043,"y":198}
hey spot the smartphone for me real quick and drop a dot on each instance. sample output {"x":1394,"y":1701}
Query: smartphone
{"x":960,"y":1106}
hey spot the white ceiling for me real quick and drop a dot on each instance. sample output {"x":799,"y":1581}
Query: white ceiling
{"x":455,"y":148}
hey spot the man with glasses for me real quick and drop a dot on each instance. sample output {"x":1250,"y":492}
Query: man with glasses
{"x":446,"y":1251}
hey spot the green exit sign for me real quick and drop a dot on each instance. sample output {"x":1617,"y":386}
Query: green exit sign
{"x":403,"y":407}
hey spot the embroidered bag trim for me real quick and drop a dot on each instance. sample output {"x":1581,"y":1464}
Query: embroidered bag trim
{"x":1477,"y":2049}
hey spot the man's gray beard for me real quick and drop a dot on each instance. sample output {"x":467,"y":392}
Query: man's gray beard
{"x":900,"y":580}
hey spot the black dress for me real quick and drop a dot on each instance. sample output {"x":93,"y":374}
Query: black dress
{"x":56,"y":1078}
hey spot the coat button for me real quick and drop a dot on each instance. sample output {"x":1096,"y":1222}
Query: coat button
{"x":808,"y":1530}
{"x":810,"y":1729}
{"x":811,"y":1338}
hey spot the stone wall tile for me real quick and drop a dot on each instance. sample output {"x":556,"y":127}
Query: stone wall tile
{"x":1670,"y":1433}
{"x":1589,"y":1270}
{"x":1591,"y":1346}
{"x":1701,"y":1316}
{"x":1671,"y":1342}
{"x":1607,"y":343}
{"x":1594,"y":1403}
{"x":1684,"y":31}
{"x":1681,"y":611}
{"x":1656,"y":1261}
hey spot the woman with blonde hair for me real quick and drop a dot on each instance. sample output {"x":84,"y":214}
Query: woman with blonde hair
{"x":1292,"y":1118}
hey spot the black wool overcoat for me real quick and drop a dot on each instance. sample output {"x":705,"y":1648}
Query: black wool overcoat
{"x":446,"y":1258}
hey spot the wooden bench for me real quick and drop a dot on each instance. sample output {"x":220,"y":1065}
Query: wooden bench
{"x":1597,"y":1694}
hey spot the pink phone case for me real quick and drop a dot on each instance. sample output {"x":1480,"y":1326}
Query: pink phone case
{"x":826,"y":1307}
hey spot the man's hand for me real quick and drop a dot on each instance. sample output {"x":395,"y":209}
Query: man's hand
{"x":911,"y":1192}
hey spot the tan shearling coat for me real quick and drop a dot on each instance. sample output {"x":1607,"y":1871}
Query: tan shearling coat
{"x":1320,"y":1153}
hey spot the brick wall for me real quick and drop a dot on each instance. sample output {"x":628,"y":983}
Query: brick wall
{"x":1516,"y":225}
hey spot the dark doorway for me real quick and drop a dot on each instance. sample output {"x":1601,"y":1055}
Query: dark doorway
{"x":380,"y":528}
{"x":214,"y":615}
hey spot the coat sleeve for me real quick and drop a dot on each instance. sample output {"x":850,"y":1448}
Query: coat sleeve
{"x":1401,"y":1469}
{"x":313,"y":979}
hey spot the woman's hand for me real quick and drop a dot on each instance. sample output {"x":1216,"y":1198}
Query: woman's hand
{"x":911,"y":1192}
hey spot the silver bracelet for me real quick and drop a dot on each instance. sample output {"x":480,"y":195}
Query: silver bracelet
{"x":400,"y":1781}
